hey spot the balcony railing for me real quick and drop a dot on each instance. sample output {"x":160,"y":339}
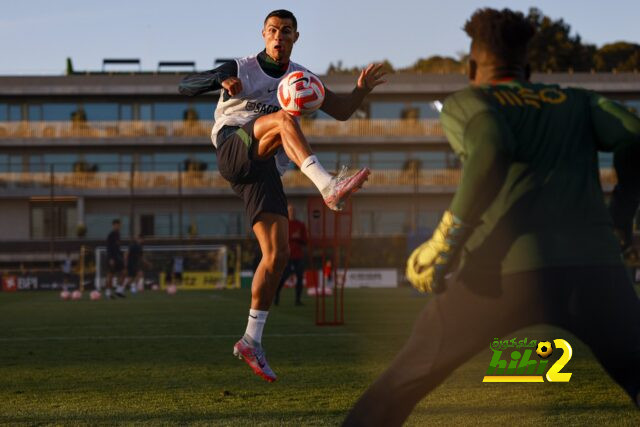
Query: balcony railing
{"x":134,"y":129}
{"x":95,"y":182}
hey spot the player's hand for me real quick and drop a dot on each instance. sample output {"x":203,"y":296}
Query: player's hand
{"x":430,"y":263}
{"x":232,"y":85}
{"x":370,"y":77}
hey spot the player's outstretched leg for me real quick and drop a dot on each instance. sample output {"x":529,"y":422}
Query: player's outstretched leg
{"x":272,"y":232}
{"x":282,"y":130}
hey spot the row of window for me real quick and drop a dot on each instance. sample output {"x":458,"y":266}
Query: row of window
{"x":206,"y":160}
{"x":107,"y":111}
{"x":62,"y":220}
{"x":200,"y":110}
{"x":161,"y":111}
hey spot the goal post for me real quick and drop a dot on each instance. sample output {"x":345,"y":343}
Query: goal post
{"x":197,"y":267}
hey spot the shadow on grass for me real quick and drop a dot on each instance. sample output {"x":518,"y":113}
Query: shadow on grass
{"x":282,"y":417}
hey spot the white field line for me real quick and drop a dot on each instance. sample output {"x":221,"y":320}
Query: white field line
{"x":162,"y":337}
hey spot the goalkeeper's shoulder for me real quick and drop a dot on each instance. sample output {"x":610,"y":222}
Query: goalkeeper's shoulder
{"x":459,"y":109}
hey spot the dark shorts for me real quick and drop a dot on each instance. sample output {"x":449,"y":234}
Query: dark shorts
{"x":116,"y":267}
{"x":133,"y":269}
{"x":256,"y":182}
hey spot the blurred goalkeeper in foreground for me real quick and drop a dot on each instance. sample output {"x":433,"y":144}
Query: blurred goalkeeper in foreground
{"x":528,"y":234}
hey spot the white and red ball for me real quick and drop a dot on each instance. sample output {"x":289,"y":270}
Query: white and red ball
{"x":172,"y":289}
{"x":65,"y":295}
{"x":300,"y":92}
{"x":95,"y":295}
{"x":76,"y":295}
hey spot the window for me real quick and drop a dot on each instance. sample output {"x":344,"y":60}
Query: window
{"x":217,"y":224}
{"x":428,"y":220}
{"x":207,"y":158}
{"x":398,"y":110}
{"x":103,"y":162}
{"x":388,"y":159}
{"x":170,"y":111}
{"x":4,"y":116}
{"x":36,"y":164}
{"x":99,"y":225}
{"x":380,"y":223}
{"x":16,"y":163}
{"x":107,"y":112}
{"x":59,"y":219}
{"x":59,"y":112}
{"x":126,"y":112}
{"x":15,"y":113}
{"x":390,"y":222}
{"x":169,"y":161}
{"x":205,"y":110}
{"x":145,"y":112}
{"x":431,"y":159}
{"x":328,"y":159}
{"x":35,"y":112}
{"x":60,"y":162}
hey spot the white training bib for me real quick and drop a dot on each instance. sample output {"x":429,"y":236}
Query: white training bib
{"x":259,"y":96}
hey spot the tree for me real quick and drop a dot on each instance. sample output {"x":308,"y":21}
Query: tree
{"x":621,"y":56}
{"x":554,"y":48}
{"x":437,"y":64}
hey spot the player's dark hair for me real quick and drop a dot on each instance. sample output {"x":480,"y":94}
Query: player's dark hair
{"x":503,"y":33}
{"x":283,"y":14}
{"x":115,"y":221}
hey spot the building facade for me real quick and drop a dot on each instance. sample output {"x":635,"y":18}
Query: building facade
{"x":78,"y":151}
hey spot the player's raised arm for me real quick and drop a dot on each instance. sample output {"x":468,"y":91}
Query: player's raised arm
{"x":618,"y":130}
{"x":341,"y":107}
{"x":224,"y":76}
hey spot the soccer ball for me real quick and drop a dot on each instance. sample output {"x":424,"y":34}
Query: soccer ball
{"x":65,"y":295}
{"x":544,"y":349}
{"x":95,"y":295}
{"x":172,"y":289}
{"x":76,"y":295}
{"x":300,"y":93}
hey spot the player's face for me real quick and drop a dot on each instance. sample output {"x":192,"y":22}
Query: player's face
{"x":279,"y":37}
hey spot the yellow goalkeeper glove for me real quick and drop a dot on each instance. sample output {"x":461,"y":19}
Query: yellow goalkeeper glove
{"x":430,"y":262}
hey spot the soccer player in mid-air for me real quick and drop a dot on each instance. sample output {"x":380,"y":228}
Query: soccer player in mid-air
{"x":255,"y":140}
{"x":528,"y":229}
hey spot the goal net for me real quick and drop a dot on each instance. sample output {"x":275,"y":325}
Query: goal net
{"x":186,"y":266}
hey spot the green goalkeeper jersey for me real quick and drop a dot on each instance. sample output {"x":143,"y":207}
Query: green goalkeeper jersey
{"x":530,"y":179}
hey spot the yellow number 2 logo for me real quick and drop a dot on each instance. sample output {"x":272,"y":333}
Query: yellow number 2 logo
{"x":554,"y":374}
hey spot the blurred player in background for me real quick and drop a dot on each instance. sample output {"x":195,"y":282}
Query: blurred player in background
{"x":297,"y":242}
{"x":66,"y":267}
{"x":135,"y":261}
{"x":535,"y":239}
{"x":254,"y":141}
{"x":177,"y":270}
{"x":115,"y":261}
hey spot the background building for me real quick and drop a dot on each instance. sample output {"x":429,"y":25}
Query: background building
{"x":80,"y":150}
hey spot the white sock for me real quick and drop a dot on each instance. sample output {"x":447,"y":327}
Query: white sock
{"x":255,"y":325}
{"x":312,"y":168}
{"x":107,"y":293}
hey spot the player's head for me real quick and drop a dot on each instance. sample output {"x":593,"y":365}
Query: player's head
{"x":140,"y":238}
{"x":499,"y":40}
{"x":115,"y":224}
{"x":291,"y":211}
{"x":280,"y":32}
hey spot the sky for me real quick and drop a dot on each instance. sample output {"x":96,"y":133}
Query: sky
{"x":37,"y":36}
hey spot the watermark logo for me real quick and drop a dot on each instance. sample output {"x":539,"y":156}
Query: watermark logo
{"x":514,"y":361}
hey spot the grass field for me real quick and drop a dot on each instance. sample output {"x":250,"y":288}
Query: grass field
{"x":158,"y":359}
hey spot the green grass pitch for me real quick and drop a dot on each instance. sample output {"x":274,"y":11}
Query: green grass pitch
{"x":157,"y":359}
